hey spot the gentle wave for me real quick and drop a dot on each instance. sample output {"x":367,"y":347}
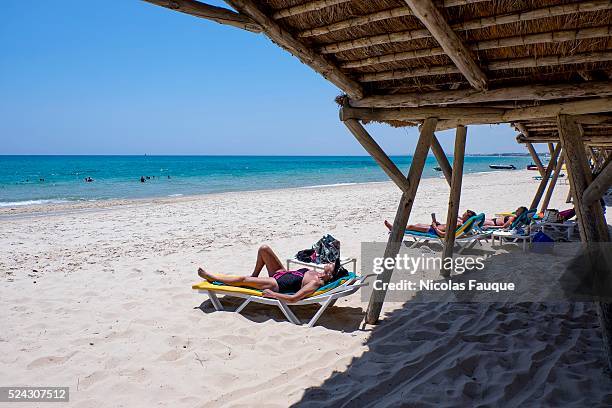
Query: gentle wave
{"x":31,"y":202}
{"x":330,"y":185}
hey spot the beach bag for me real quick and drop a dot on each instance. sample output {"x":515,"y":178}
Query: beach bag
{"x":327,"y":249}
{"x":567,"y":214}
{"x":306,"y":255}
{"x":542,"y":243}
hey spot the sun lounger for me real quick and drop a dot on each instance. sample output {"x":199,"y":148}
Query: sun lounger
{"x":326,"y":296}
{"x":467,"y":235}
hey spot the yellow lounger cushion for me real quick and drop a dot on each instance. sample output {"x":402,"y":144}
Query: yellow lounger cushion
{"x":206,"y":285}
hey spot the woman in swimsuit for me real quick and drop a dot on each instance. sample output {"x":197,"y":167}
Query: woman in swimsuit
{"x":505,"y":221}
{"x":290,"y":286}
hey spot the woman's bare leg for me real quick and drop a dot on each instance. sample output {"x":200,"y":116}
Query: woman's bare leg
{"x":266,"y":257}
{"x":249,"y":281}
{"x":414,"y":227}
{"x":418,"y":227}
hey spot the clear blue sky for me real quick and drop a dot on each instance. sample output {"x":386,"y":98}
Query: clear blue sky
{"x":128,"y":77}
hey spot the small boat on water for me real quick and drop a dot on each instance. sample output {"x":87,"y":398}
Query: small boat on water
{"x":437,"y":168}
{"x":532,"y":167}
{"x":502,"y":166}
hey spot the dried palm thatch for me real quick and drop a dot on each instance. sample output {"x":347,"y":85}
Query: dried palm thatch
{"x":383,"y":54}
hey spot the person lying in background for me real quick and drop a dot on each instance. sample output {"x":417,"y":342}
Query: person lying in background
{"x":504,"y":221}
{"x":435,"y":227}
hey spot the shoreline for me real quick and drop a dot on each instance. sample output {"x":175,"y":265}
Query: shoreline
{"x":69,"y":207}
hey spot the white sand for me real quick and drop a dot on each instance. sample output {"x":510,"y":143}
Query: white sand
{"x":98,"y":298}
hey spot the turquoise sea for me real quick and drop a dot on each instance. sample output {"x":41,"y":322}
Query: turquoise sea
{"x":27,"y":180}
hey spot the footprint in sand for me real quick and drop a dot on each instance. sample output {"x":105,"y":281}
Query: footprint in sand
{"x":91,"y":379}
{"x":171,"y":355}
{"x":49,"y":361}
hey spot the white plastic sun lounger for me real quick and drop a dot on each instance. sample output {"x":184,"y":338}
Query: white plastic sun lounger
{"x":464,"y":242}
{"x":325,"y":298}
{"x":467,"y":235}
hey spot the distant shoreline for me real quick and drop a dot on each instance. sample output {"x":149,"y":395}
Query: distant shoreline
{"x":108,"y":204}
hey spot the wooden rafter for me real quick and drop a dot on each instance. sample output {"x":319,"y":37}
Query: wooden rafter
{"x":517,"y":93}
{"x":306,"y":8}
{"x":372,"y":17}
{"x":431,"y":18}
{"x":494,"y":65}
{"x":217,"y":14}
{"x":465,"y":116}
{"x":286,"y":40}
{"x":378,"y":154}
{"x":539,"y":38}
{"x":403,"y":36}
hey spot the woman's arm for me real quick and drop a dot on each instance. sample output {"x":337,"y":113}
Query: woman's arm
{"x":439,"y":231}
{"x":307,"y":290}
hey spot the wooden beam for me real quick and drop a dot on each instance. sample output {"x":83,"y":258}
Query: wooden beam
{"x":436,"y":24}
{"x":536,"y":159}
{"x":519,"y":40}
{"x":359,"y":21}
{"x":401,"y":217}
{"x":306,"y":8}
{"x":598,"y":187}
{"x":475,"y":24}
{"x":545,"y":178}
{"x":377,"y":153}
{"x":538,"y":92}
{"x":454,"y":199}
{"x":553,"y":183}
{"x":493,"y":65}
{"x":286,"y":40}
{"x":551,"y":148}
{"x":590,"y":218}
{"x":466,"y":116}
{"x":438,"y":152}
{"x":587,"y":140}
{"x":217,"y":14}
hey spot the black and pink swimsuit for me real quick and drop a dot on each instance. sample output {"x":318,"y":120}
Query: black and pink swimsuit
{"x":290,"y":281}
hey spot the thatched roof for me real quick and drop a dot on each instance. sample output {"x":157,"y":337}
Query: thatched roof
{"x":462,"y":54}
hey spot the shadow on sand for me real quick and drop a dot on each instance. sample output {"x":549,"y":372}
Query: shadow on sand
{"x":339,"y":317}
{"x":449,"y":354}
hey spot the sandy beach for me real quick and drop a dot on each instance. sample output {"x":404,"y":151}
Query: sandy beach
{"x":97,"y":296}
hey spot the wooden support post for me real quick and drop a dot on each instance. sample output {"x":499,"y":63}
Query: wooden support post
{"x":598,"y":187}
{"x":377,"y":153}
{"x":551,"y":148}
{"x":590,"y":218}
{"x":401,"y":216}
{"x":437,"y":150}
{"x":536,"y":158}
{"x":570,"y":194}
{"x":545,"y":177}
{"x":553,"y":183}
{"x":454,"y":199}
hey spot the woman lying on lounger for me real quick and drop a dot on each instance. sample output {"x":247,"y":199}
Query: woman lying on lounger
{"x":290,"y":286}
{"x":505,"y":221}
{"x":435,"y":227}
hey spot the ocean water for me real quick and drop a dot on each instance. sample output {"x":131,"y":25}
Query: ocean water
{"x":28,"y":180}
